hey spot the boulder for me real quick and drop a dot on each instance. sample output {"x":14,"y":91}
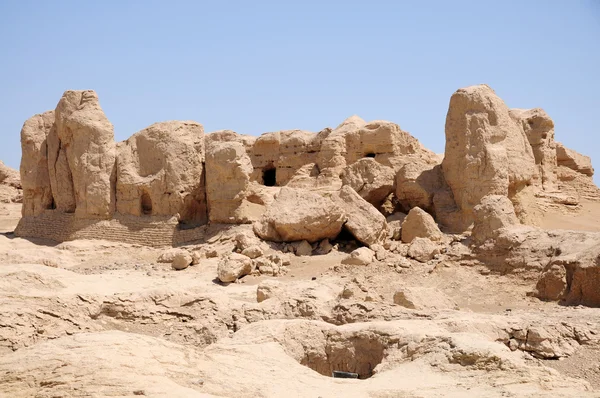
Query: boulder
{"x":302,"y":248}
{"x":35,"y":178}
{"x":552,"y":284}
{"x":370,"y":179}
{"x":416,"y":184}
{"x":228,"y":170}
{"x":423,"y":249}
{"x":364,"y":221}
{"x":160,"y":172}
{"x":360,"y":256}
{"x":575,"y":161}
{"x":325,"y":247}
{"x":419,"y":224}
{"x":233,"y":266}
{"x":394,"y":223}
{"x":493,"y":213}
{"x":297,"y":215}
{"x":487,"y":152}
{"x":182,"y":260}
{"x":420,"y":298}
{"x":81,"y":157}
{"x":169,"y":255}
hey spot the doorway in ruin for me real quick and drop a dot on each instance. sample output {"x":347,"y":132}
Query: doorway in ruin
{"x":269,"y":175}
{"x":146,"y":204}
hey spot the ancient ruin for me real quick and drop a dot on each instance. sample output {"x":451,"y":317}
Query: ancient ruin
{"x":163,"y":184}
{"x":156,"y":265}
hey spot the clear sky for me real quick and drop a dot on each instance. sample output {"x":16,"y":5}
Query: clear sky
{"x":258,"y":66}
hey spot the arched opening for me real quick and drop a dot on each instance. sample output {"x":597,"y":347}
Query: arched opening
{"x":146,"y":203}
{"x":270,"y":176}
{"x":51,"y":205}
{"x":370,"y":155}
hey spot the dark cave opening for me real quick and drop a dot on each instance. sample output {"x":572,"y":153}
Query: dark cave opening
{"x":270,"y":176}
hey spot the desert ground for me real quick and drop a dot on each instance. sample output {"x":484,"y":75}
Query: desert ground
{"x":98,"y":318}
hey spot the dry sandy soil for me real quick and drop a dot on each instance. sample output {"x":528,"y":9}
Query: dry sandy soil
{"x":96,"y":318}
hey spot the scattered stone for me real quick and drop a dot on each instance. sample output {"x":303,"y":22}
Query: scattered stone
{"x":168,"y":256}
{"x":212,"y":253}
{"x":360,"y":256}
{"x":233,"y":266}
{"x":197,"y":257}
{"x":182,"y":260}
{"x":302,"y":248}
{"x":253,"y":252}
{"x":423,"y":249}
{"x":324,"y":247}
{"x":419,"y":224}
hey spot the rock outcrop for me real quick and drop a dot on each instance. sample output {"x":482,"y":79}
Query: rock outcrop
{"x":35,"y":178}
{"x":81,"y":157}
{"x":539,"y":129}
{"x":160,"y":172}
{"x":573,"y":160}
{"x":292,"y":185}
{"x":373,"y":181}
{"x":228,"y":170}
{"x":487,"y":152}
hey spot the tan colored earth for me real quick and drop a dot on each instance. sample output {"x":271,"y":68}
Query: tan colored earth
{"x":179,"y":264}
{"x":97,"y":318}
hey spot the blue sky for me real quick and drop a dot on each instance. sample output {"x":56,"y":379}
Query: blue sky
{"x":258,"y":66}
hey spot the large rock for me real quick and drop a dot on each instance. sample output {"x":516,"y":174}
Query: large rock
{"x":552,"y":284}
{"x":228,"y":170}
{"x":416,"y":184}
{"x":423,"y":249}
{"x":370,"y":179}
{"x":539,"y":129}
{"x":233,"y":266}
{"x":492,"y":214}
{"x":575,"y":161}
{"x":160,"y":172}
{"x":81,"y":157}
{"x":487,"y":152}
{"x":419,"y":224}
{"x":35,"y":179}
{"x":364,"y":221}
{"x":182,"y":260}
{"x":298,"y":215}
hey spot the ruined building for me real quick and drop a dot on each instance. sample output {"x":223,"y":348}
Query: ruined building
{"x":165,"y":183}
